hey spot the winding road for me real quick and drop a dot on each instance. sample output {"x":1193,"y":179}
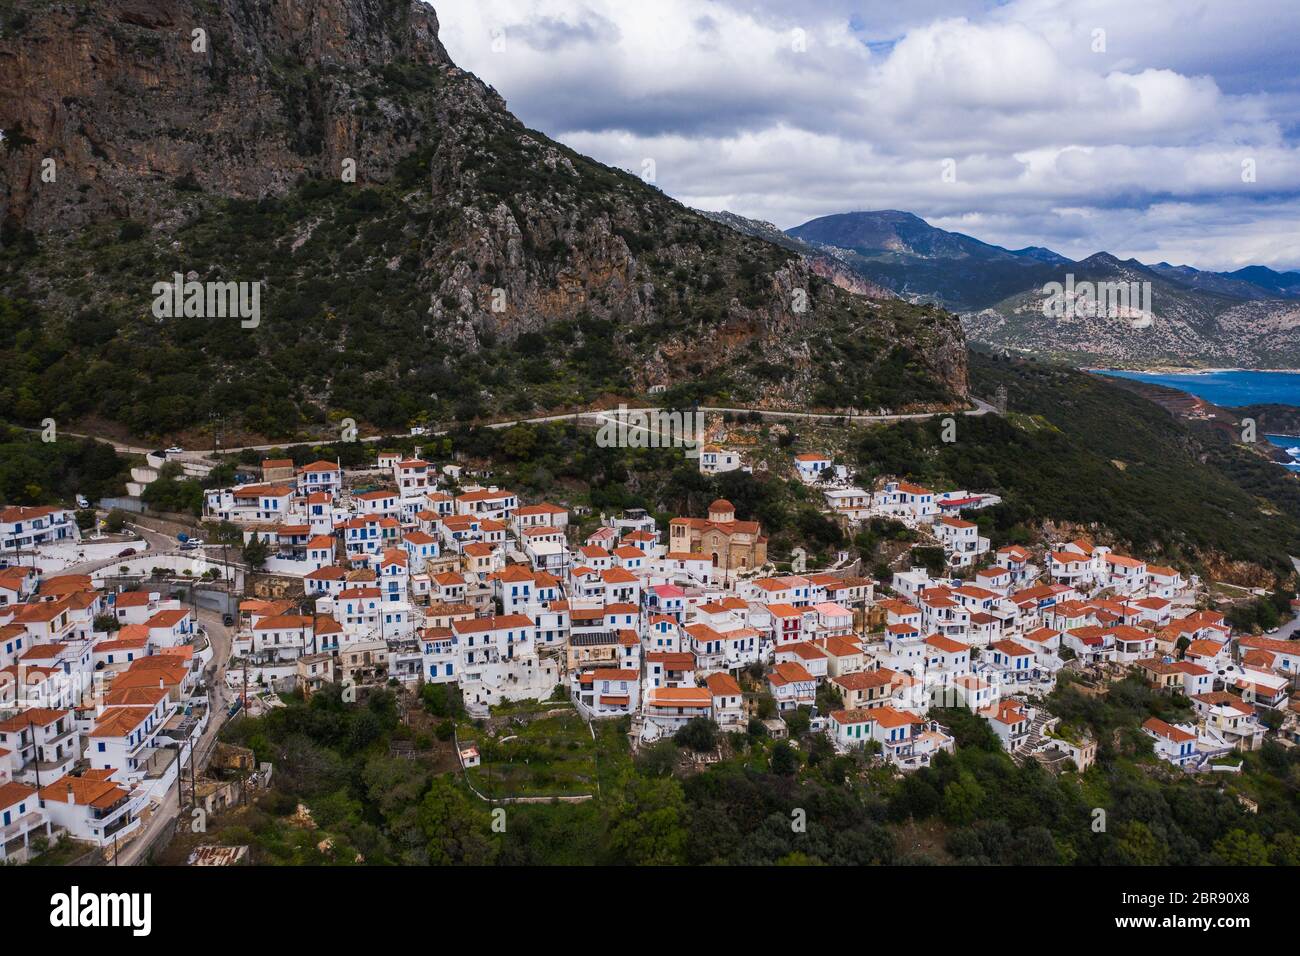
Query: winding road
{"x":219,"y":699}
{"x":597,"y":415}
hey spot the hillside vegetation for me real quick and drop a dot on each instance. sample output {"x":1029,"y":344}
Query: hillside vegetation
{"x":1077,"y":449}
{"x":471,"y":268}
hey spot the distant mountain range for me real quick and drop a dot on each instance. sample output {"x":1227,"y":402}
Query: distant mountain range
{"x":1249,"y":317}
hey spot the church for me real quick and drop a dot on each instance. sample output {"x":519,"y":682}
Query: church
{"x":731,"y":545}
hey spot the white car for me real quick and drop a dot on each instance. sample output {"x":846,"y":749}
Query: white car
{"x":174,"y":450}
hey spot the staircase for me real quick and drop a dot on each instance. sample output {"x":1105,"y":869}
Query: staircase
{"x":1035,"y":739}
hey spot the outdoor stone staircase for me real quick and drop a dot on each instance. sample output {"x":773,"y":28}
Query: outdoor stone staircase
{"x":1035,"y":740}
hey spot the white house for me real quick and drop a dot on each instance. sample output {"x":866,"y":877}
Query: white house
{"x":91,"y":807}
{"x":1175,"y":744}
{"x":809,"y":467}
{"x":728,"y":701}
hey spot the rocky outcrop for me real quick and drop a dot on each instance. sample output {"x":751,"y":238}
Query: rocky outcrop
{"x":129,"y":97}
{"x":158,"y":112}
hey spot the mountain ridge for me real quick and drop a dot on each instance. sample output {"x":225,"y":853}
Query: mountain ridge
{"x":1250,"y":317}
{"x":473,"y":267}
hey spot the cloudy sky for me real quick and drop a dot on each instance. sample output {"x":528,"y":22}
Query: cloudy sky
{"x":1161,"y":129}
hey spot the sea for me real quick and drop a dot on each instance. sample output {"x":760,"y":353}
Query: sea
{"x":1233,"y":388}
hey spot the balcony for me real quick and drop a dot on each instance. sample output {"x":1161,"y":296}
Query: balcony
{"x":122,"y":823}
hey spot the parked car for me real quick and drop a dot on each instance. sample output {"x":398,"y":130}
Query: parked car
{"x":175,"y":450}
{"x":228,"y":620}
{"x":126,"y":552}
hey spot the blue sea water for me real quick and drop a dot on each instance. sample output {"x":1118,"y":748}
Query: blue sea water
{"x":1232,"y":388}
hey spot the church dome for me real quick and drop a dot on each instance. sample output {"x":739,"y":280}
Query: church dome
{"x":722,"y":510}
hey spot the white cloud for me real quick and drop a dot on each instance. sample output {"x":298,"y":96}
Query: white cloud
{"x":1136,"y":149}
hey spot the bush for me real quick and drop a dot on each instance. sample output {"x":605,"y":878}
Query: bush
{"x":784,"y":761}
{"x":700,"y":734}
{"x":442,"y":700}
{"x":115,"y":521}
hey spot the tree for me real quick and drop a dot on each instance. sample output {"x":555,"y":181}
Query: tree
{"x":650,"y":823}
{"x":256,"y":553}
{"x":657,"y":760}
{"x":699,"y":733}
{"x":962,"y":800}
{"x":115,"y":521}
{"x":969,"y":730}
{"x":784,"y":761}
{"x":820,"y":750}
{"x":457,"y":829}
{"x":932,"y":559}
{"x":797,"y":721}
{"x":442,"y":700}
{"x":518,"y":442}
{"x":1138,"y":846}
{"x":1239,"y":848}
{"x":829,"y":698}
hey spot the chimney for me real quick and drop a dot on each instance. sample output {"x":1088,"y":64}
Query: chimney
{"x":71,"y":797}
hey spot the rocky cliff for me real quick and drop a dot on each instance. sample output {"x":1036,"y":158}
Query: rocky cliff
{"x":218,"y":139}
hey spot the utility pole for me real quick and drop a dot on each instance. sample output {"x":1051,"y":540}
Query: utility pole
{"x":36,"y":762}
{"x":180,"y":776}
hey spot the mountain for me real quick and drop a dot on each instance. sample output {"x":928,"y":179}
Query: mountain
{"x":470,"y":268}
{"x":1249,"y":317}
{"x":1040,"y":254}
{"x":919,"y":262}
{"x":1262,"y":277}
{"x":1224,"y":283}
{"x":827,"y":263}
{"x":1193,"y":321}
{"x":890,"y":231}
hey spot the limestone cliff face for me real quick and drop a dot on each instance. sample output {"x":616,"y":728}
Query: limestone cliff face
{"x":127,"y":99}
{"x":505,"y":232}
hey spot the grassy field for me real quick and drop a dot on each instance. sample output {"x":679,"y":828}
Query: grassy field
{"x":533,"y":756}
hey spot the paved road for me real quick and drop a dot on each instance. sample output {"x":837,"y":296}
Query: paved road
{"x":219,"y":699}
{"x":154,"y":543}
{"x":197,"y":457}
{"x":1288,"y":630}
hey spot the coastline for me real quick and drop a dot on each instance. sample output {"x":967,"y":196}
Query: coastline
{"x":1186,"y":370}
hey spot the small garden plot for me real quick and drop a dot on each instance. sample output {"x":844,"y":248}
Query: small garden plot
{"x":548,"y":756}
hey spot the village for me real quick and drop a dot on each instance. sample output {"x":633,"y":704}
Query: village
{"x":408,"y":573}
